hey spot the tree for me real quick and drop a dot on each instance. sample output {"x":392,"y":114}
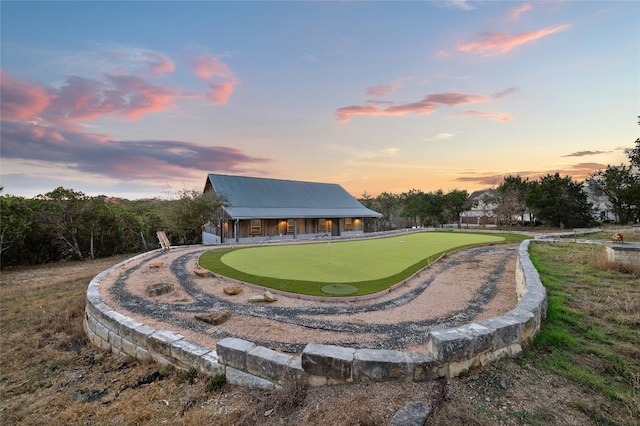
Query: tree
{"x":434,"y":207}
{"x":16,"y":217}
{"x":427,"y":209}
{"x":369,"y":202}
{"x":621,"y":186}
{"x":634,"y":153}
{"x":415,"y":207}
{"x":559,"y":201}
{"x":150,"y":215}
{"x":62,"y":210}
{"x":187,"y":215}
{"x":458,"y":201}
{"x":511,"y":201}
{"x":387,"y":205}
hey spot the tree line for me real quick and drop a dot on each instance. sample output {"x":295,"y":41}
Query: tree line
{"x":417,"y":208}
{"x":66,"y":224}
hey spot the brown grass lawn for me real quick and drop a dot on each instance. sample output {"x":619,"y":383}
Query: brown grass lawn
{"x":50,"y":375}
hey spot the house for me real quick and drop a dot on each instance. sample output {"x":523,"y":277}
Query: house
{"x":261,"y":209}
{"x":483,"y":211}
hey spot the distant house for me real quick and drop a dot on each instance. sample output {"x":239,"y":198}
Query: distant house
{"x":260,"y":209}
{"x":483,"y":211}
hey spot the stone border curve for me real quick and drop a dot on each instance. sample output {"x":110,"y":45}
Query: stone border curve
{"x":449,"y":351}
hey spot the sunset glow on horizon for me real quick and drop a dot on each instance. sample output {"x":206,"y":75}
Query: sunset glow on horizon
{"x":126,"y":99}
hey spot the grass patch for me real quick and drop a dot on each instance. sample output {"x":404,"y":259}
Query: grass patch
{"x":605,"y":235}
{"x":592,"y":327}
{"x":371,"y":265}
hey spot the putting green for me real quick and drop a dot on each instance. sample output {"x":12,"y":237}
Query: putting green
{"x":370,"y":264}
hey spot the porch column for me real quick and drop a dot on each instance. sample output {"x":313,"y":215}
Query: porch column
{"x":235,"y":230}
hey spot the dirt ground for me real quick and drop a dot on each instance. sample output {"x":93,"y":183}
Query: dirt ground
{"x":49,"y":375}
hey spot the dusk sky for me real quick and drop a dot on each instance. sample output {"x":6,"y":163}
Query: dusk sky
{"x":129,"y":99}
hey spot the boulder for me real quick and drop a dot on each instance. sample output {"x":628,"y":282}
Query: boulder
{"x":202,"y":272}
{"x":412,"y":414}
{"x":215,"y":318}
{"x":232,"y":291}
{"x":159,"y":289}
{"x":267,"y":296}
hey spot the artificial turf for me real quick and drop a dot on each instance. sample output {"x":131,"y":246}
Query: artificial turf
{"x":371,"y":265}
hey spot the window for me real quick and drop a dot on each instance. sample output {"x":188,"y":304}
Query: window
{"x":291,"y":226}
{"x":348,"y":226}
{"x":256,"y":226}
{"x":322,"y":225}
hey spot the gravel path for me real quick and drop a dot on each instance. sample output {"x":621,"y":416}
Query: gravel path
{"x":464,"y":286}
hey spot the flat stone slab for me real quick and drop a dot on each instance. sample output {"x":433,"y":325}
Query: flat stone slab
{"x":159,"y":289}
{"x":412,"y":414}
{"x":266,"y":297}
{"x":328,"y":360}
{"x":268,"y":364}
{"x":380,"y":365}
{"x":233,"y":352}
{"x":449,"y":345}
{"x":215,"y":318}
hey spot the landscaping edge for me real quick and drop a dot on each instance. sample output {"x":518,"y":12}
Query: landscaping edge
{"x":449,"y":352}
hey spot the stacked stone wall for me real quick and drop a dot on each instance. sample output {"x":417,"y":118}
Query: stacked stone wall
{"x":448,"y":352}
{"x":628,"y":253}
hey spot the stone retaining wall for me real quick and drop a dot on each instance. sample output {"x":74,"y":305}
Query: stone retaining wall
{"x":448,"y":351}
{"x":628,"y":253}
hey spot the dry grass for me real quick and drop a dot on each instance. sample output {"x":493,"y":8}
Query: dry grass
{"x":604,"y":263}
{"x":49,"y":375}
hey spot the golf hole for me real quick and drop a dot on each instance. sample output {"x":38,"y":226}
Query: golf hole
{"x":339,"y":289}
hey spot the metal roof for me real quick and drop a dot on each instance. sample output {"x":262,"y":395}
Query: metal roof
{"x":253,"y":198}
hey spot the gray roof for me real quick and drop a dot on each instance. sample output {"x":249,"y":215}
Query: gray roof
{"x":253,"y":198}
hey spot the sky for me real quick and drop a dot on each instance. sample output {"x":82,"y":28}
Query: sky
{"x":144,"y":99}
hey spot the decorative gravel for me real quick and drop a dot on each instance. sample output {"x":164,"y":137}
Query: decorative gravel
{"x":396,"y":335}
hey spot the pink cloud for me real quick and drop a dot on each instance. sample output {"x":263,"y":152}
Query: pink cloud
{"x":220,"y":92}
{"x":160,"y":64}
{"x":382,"y":89}
{"x":20,"y":100}
{"x":586,"y":153}
{"x":344,"y":114}
{"x":499,"y":116}
{"x":206,"y":67}
{"x":426,"y":106}
{"x":499,"y":43}
{"x":385,"y":89}
{"x":85,"y":99}
{"x":451,"y":99}
{"x":514,"y":13}
{"x":139,"y":98}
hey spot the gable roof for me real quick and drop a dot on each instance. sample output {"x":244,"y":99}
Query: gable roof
{"x":253,"y":198}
